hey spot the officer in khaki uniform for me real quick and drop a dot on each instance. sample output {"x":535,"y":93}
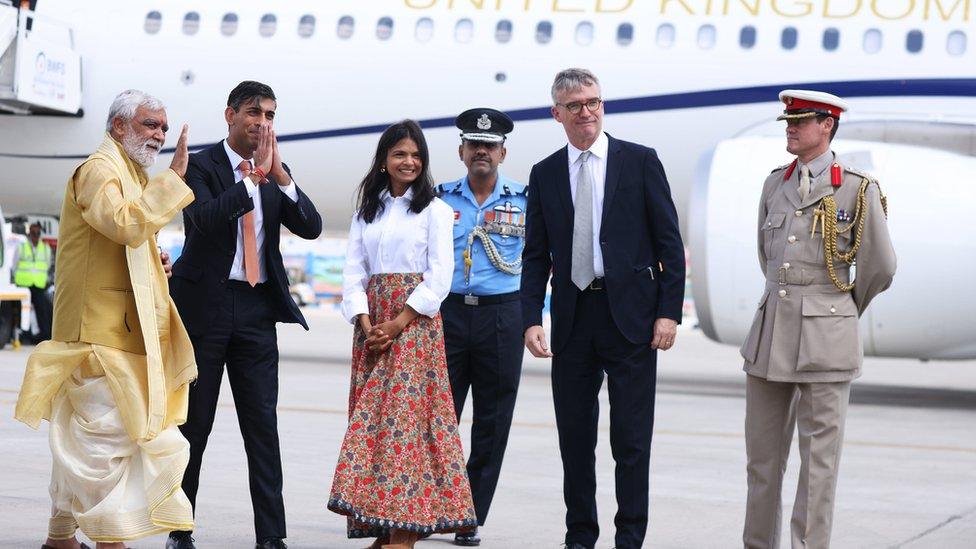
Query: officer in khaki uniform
{"x":816,"y":217}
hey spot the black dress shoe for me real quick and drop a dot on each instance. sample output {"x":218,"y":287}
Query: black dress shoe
{"x":467,"y":539}
{"x":272,"y":543}
{"x":180,"y":540}
{"x":576,"y":546}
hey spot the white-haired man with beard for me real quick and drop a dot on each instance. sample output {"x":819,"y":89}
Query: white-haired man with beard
{"x":113,"y":380}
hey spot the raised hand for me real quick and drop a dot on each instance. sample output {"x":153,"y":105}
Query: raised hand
{"x":264,"y":154}
{"x":278,"y":172}
{"x":182,"y":155}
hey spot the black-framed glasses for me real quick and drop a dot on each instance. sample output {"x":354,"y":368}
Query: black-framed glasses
{"x":575,"y":107}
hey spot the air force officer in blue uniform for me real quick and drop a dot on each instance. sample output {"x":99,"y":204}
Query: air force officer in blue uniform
{"x":482,"y":314}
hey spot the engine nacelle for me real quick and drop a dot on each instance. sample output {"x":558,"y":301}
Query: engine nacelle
{"x":930,"y":310}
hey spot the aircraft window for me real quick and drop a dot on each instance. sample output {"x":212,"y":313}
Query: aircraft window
{"x":463,"y":31}
{"x":872,"y":41}
{"x":154,"y":20}
{"x":306,"y":26}
{"x":268,"y":26}
{"x":228,"y":25}
{"x":584,"y":33}
{"x":789,"y":38}
{"x":706,"y":37}
{"x":625,"y":34}
{"x":191,"y":23}
{"x":503,"y":31}
{"x":543,"y":32}
{"x":914,"y":41}
{"x":346,"y":25}
{"x":424,"y":30}
{"x":665,"y":35}
{"x":956,"y":44}
{"x":747,"y":37}
{"x":831,"y":39}
{"x":384,"y":28}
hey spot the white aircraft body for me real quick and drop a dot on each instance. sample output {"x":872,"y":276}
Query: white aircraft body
{"x":695,"y":79}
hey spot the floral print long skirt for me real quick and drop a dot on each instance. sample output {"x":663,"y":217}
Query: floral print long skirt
{"x":401,"y":465}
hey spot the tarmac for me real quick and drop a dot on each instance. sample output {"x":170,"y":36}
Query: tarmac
{"x":908,"y":472}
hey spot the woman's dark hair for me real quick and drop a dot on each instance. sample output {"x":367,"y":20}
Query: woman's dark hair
{"x":368,"y":203}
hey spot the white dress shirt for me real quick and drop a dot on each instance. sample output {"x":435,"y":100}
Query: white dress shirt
{"x":597,"y":165}
{"x":237,"y":267}
{"x":400,"y":241}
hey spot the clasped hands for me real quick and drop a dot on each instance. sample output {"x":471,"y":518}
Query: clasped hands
{"x":268,"y":160}
{"x":380,"y":337}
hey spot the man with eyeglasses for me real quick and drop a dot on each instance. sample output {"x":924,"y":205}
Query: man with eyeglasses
{"x":482,"y":314}
{"x":600,"y":217}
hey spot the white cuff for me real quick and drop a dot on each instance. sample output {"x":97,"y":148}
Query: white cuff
{"x":290,"y":191}
{"x":424,"y":301}
{"x":353,"y":306}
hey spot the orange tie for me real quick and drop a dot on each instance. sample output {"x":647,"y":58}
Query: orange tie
{"x":251,"y":271}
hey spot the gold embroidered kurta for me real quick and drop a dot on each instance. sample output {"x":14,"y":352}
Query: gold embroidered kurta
{"x":112,"y":295}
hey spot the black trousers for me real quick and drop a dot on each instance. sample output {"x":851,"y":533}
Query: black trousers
{"x":243,"y":336}
{"x":44,"y":311}
{"x":484,"y":353}
{"x":597,"y":348}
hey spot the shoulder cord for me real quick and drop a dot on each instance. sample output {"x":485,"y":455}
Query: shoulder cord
{"x":510,"y":267}
{"x":827,"y":212}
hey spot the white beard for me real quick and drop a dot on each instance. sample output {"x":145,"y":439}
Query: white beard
{"x":140,"y":151}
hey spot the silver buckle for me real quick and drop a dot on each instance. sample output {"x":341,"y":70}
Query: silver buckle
{"x":782,"y":276}
{"x":470,"y":299}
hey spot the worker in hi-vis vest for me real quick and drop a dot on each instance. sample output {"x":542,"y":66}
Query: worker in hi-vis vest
{"x":32,"y":264}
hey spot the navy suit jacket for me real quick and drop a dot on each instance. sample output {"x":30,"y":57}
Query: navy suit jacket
{"x":643,"y":256}
{"x":210,"y":224}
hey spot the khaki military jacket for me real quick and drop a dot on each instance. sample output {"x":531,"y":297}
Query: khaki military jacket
{"x":805,"y":329}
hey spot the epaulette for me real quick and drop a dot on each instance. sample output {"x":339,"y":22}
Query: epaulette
{"x":783,"y":167}
{"x":507,"y":190}
{"x":443,"y":188}
{"x":860,"y":173}
{"x":790,"y":168}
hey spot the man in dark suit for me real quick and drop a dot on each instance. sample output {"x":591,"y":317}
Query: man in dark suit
{"x":600,"y":218}
{"x":230,"y":287}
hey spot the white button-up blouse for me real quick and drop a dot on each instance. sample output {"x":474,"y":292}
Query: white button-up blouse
{"x":400,"y":241}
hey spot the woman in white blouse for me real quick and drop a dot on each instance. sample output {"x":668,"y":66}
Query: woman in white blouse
{"x":401,"y":471}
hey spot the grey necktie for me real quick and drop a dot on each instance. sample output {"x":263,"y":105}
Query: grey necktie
{"x":582,"y":273}
{"x":804,"y":182}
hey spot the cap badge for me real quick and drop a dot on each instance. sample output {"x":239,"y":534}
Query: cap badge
{"x":484,"y":123}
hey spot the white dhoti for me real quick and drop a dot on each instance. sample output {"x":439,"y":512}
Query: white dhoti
{"x":112,"y":487}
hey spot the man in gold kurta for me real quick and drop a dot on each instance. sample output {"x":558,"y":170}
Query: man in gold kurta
{"x":113,"y":381}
